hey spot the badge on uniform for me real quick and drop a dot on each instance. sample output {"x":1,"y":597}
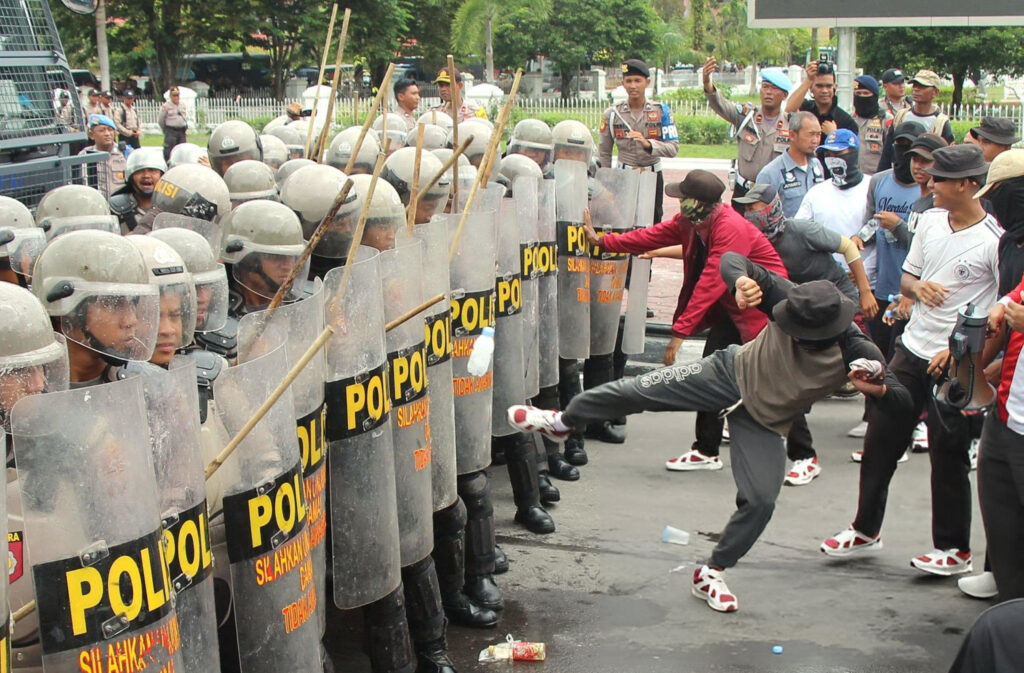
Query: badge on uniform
{"x":15,"y":555}
{"x":749,"y":137}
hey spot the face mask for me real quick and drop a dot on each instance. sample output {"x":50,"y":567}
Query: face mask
{"x":901,"y":164}
{"x":866,"y":107}
{"x":771,"y":220}
{"x":694,"y":210}
{"x":845,"y":169}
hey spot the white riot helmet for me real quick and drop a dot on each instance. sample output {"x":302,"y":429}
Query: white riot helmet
{"x":572,"y":139}
{"x":516,"y":166}
{"x":396,"y":130}
{"x":263,"y":243}
{"x":310,"y":192}
{"x":73,"y":208}
{"x":97,"y":285}
{"x":399,"y":169}
{"x":289,"y":167}
{"x":438,"y":118}
{"x":208,"y":275}
{"x":231,"y":142}
{"x":186,"y":153}
{"x":167,"y":271}
{"x":193,"y":190}
{"x":292,"y":139}
{"x":248,"y":180}
{"x":340,"y":151}
{"x":33,"y":359}
{"x":481,"y":133}
{"x":385,"y":214}
{"x":434,"y":137}
{"x":275,"y":152}
{"x":17,"y":226}
{"x":532,"y":137}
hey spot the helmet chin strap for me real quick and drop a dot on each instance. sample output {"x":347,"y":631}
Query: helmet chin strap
{"x":98,"y":346}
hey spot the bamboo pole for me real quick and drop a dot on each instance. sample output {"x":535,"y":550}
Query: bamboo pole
{"x":385,"y":83}
{"x":414,"y":191}
{"x":455,"y":103}
{"x":413,"y":312}
{"x":335,"y":81}
{"x":448,"y":164}
{"x":320,"y":77}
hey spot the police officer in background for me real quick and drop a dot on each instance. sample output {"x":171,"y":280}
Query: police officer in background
{"x":873,"y":121}
{"x":643,"y":131}
{"x":467,"y":109}
{"x":761,"y":132}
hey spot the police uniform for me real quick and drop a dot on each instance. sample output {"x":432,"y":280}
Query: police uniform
{"x":468,"y":110}
{"x":653,"y":120}
{"x":872,"y":140}
{"x":760,"y":138}
{"x":791,"y":181}
{"x":409,"y":118}
{"x":109,"y":174}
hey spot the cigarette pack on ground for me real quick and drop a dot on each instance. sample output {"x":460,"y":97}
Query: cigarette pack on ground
{"x":514,"y":650}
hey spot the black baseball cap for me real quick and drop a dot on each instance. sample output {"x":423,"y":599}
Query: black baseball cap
{"x":907,"y":131}
{"x":761,"y":192}
{"x":893,"y":75}
{"x":925,"y":144}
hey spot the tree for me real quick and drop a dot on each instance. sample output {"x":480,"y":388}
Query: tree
{"x":698,"y":23}
{"x":377,"y":31}
{"x":518,"y":35}
{"x":477,"y":22}
{"x":957,"y":52}
{"x":288,"y":30}
{"x":669,"y":42}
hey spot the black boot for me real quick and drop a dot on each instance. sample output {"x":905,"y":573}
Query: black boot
{"x":557,"y":466}
{"x":522,"y":473}
{"x":480,"y":586}
{"x":500,"y":560}
{"x":606,"y":432}
{"x":449,"y":561}
{"x":548,"y":492}
{"x":427,"y":624}
{"x":575,"y":454}
{"x":387,"y":633}
{"x":497,"y":453}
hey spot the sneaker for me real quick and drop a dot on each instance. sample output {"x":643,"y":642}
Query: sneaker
{"x":532,"y":419}
{"x":803,"y":471}
{"x":858,"y":455}
{"x":919,"y":444}
{"x":709,"y":586}
{"x":972,"y":453}
{"x":725,"y":431}
{"x":982,"y":585}
{"x":693,"y":460}
{"x":858,"y":430}
{"x":849,"y":542}
{"x":944,"y":562}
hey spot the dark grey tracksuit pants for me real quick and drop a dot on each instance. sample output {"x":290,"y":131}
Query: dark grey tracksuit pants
{"x":758,"y":454}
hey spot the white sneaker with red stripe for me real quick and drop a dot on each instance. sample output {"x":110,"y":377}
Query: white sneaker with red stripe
{"x":709,"y":586}
{"x":944,"y":562}
{"x":849,"y":542}
{"x":803,"y":471}
{"x":693,"y":460}
{"x":532,"y":419}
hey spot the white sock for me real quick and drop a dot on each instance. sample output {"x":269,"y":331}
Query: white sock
{"x":558,"y":424}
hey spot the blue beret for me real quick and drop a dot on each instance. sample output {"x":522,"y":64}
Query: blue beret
{"x":101,"y":120}
{"x":777,"y":78}
{"x":867,"y":82}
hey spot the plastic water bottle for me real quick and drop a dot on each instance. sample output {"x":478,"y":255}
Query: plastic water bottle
{"x":895,"y":297}
{"x":480,"y":355}
{"x":890,"y":312}
{"x":867,"y":232}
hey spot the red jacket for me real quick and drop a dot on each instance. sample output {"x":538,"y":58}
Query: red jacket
{"x":1010,"y":395}
{"x":704,"y":296}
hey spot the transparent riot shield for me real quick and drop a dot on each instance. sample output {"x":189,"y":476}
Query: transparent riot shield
{"x":401,"y":279}
{"x":265,"y":521}
{"x":573,"y":260}
{"x":524,"y":193}
{"x":211,"y":231}
{"x":488,"y":197}
{"x":471,"y":274}
{"x":612,"y":211}
{"x":361,"y":459}
{"x":509,"y":366}
{"x":545,"y":260}
{"x":302,"y":322}
{"x":92,"y":519}
{"x":635,"y":327}
{"x":5,"y":626}
{"x":438,"y":331}
{"x":172,"y":415}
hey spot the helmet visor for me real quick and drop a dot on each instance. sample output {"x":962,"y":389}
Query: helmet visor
{"x":119,"y":321}
{"x":263,"y":272}
{"x":211,"y":299}
{"x":208,"y":230}
{"x":177,"y":317}
{"x":56,"y":226}
{"x":24,"y":249}
{"x":44,"y":370}
{"x":541,"y":154}
{"x":222,"y":163}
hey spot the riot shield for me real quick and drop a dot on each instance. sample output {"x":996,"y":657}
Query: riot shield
{"x":172,"y":414}
{"x":509,"y":367}
{"x":573,"y":260}
{"x":471,"y":273}
{"x":211,"y":231}
{"x":488,"y":197}
{"x":265,"y":521}
{"x":92,"y":520}
{"x":5,"y":630}
{"x":612,"y":211}
{"x":302,"y":322}
{"x":401,"y":279}
{"x":438,"y":330}
{"x":364,"y":513}
{"x":524,"y":192}
{"x":545,"y":260}
{"x":635,"y":327}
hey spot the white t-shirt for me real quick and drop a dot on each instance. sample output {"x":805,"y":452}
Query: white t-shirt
{"x":965,"y":262}
{"x":842,"y":211}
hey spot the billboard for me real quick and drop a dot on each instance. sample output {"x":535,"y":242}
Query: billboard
{"x":883,"y":13}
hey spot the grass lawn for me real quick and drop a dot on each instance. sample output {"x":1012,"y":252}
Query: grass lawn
{"x":157,"y":140}
{"x":708,"y":151}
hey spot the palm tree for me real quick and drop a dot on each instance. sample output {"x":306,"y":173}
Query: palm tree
{"x":474,"y":26}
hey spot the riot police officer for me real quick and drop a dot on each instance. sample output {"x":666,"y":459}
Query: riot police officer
{"x":275,"y":152}
{"x":188,"y":189}
{"x":310,"y":192}
{"x":398,"y":171}
{"x":532,"y":138}
{"x":15,"y":220}
{"x":231,"y":142}
{"x":340,"y":151}
{"x":71,"y":208}
{"x":248,"y":180}
{"x":130,"y":203}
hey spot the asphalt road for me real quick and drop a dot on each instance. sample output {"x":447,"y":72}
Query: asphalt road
{"x":601,"y":593}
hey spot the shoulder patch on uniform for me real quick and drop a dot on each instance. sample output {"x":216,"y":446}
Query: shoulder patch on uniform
{"x":15,"y":555}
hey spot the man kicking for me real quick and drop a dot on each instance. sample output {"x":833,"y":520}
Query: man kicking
{"x":809,"y":348}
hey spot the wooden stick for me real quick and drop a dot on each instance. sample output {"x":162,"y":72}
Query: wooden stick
{"x":320,"y":78}
{"x":414,"y":191}
{"x":453,"y":101}
{"x":240,"y":436}
{"x":413,"y":312}
{"x":336,"y":80}
{"x":488,"y":160}
{"x":22,"y":612}
{"x":369,"y":118}
{"x":321,"y":229}
{"x":448,"y":164}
